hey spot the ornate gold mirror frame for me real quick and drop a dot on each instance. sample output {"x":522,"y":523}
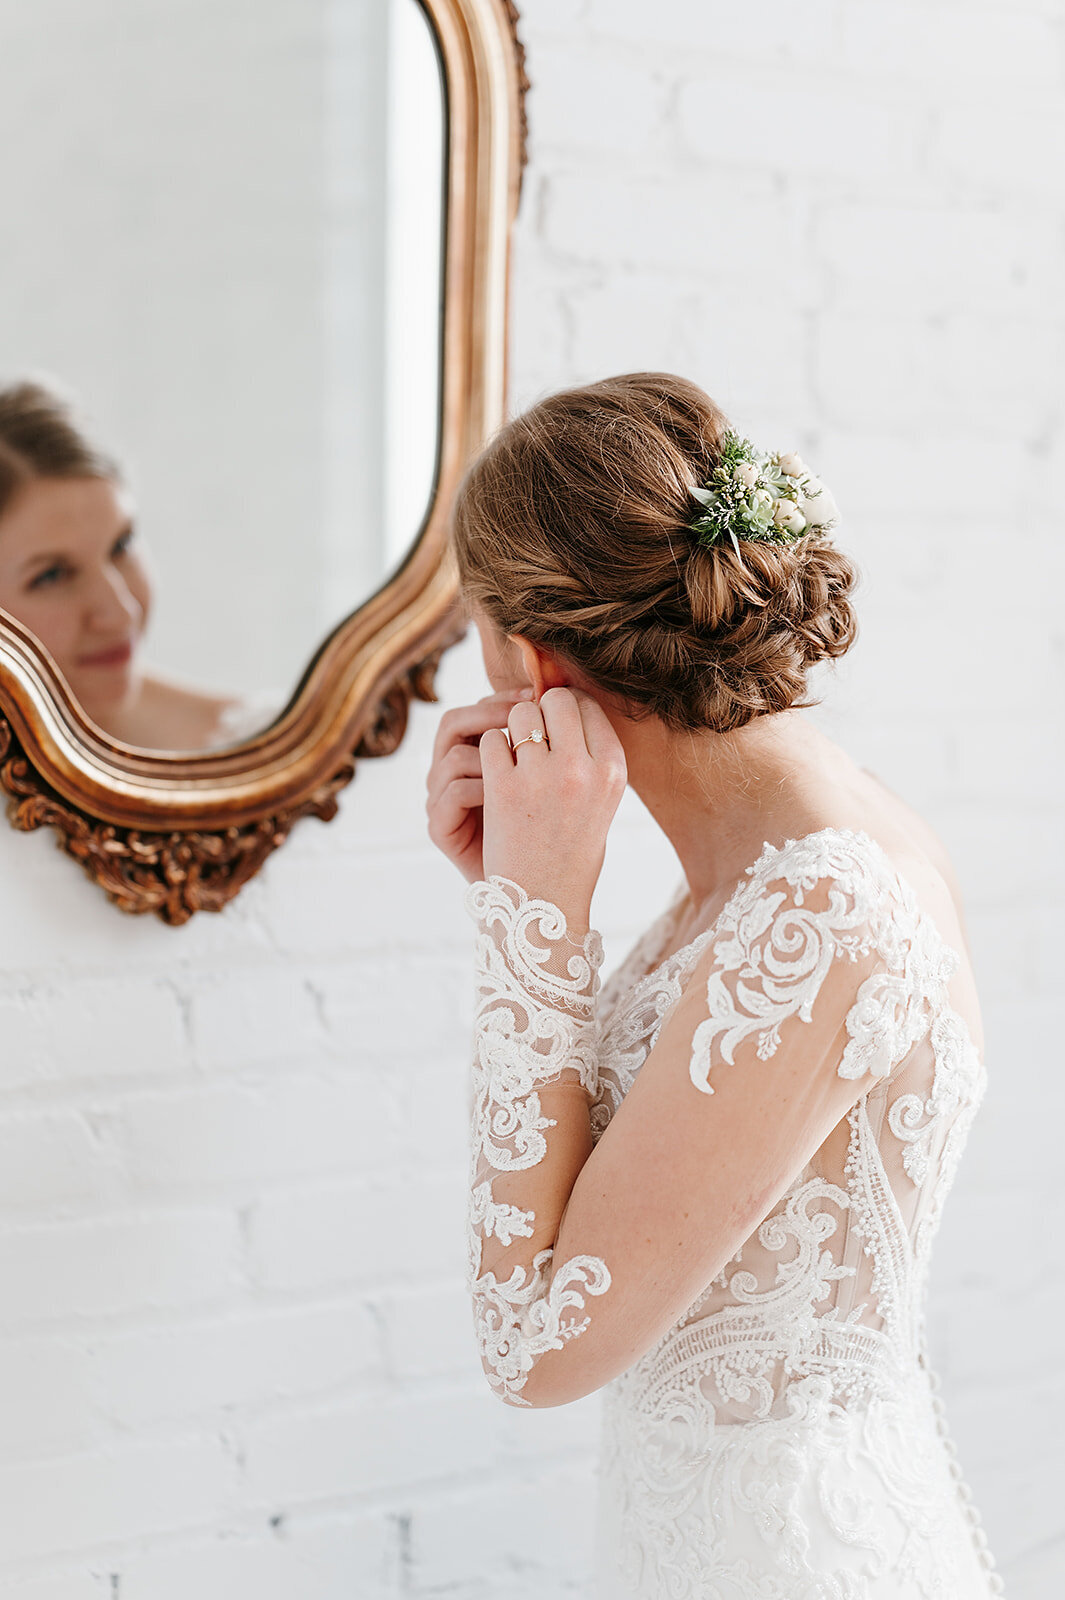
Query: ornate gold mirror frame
{"x":175,"y":835}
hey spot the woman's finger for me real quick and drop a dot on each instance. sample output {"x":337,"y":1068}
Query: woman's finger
{"x":526,"y":722}
{"x":449,"y":813}
{"x":464,"y":723}
{"x":497,"y":758}
{"x":603,"y":743}
{"x":461,"y":761}
{"x":562,"y":719}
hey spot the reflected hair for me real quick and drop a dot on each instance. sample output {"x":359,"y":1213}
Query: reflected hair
{"x":41,"y":437}
{"x":572,"y":530}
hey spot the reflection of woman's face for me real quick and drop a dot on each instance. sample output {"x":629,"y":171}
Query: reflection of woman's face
{"x":70,"y":572}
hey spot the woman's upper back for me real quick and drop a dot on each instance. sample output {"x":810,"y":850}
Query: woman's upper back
{"x":835,"y":1271}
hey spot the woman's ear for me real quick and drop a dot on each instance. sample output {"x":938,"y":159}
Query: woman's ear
{"x":543,"y":668}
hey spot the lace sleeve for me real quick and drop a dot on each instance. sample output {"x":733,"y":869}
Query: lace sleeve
{"x":823,"y":941}
{"x":534,"y":1077}
{"x":817,"y":980}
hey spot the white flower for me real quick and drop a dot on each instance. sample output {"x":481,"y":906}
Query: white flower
{"x":818,"y":506}
{"x":762,"y":500}
{"x":791,"y":465}
{"x":786,"y":515}
{"x":747,"y":473}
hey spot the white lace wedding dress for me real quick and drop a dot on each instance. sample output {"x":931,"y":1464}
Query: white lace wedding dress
{"x":784,"y":1440}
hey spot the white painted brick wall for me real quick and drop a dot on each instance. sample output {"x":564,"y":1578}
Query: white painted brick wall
{"x":234,"y":1352}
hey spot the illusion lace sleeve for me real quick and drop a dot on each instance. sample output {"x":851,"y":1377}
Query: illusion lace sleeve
{"x":813,"y":985}
{"x":826,"y":944}
{"x":534,"y":1078}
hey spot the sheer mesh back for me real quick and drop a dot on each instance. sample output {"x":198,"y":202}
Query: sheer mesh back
{"x":832,"y":1279}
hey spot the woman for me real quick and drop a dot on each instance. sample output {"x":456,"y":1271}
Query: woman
{"x":71,"y":571}
{"x":711,"y":1187}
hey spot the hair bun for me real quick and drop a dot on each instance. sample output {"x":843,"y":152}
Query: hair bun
{"x":571,"y":529}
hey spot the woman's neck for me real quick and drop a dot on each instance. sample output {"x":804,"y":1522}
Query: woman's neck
{"x":719,"y":796}
{"x":165,"y":714}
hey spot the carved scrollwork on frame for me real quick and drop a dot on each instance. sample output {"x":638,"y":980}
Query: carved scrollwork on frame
{"x":172,"y":874}
{"x":176,"y":834}
{"x":179,"y":872}
{"x":514,"y":18}
{"x":385,"y":733}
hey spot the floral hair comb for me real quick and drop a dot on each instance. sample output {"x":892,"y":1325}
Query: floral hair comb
{"x":769,"y":499}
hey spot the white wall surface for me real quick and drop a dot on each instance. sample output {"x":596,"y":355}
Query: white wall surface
{"x":235,"y":1357}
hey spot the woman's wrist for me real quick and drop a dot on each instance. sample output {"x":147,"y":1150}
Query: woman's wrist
{"x":575,"y":910}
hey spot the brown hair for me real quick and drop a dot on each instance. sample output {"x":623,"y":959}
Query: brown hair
{"x":41,"y":438}
{"x":570,"y":529}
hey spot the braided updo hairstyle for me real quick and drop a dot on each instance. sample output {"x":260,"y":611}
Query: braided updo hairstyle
{"x":570,"y":529}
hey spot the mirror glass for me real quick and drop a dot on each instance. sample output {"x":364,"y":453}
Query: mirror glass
{"x":228,"y":260}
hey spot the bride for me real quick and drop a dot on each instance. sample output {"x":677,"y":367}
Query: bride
{"x":710,"y":1187}
{"x":73,"y":571}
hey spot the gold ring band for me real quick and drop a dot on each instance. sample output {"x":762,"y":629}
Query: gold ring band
{"x":538,"y":736}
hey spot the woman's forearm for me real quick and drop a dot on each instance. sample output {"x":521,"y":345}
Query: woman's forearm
{"x":534,"y":1078}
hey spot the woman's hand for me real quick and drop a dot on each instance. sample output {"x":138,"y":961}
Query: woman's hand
{"x":549,"y":803}
{"x":455,"y":789}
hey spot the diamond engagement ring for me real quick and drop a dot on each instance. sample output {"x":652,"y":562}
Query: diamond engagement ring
{"x":538,"y":736}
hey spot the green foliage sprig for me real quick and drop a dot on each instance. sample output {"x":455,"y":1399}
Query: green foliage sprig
{"x":767,"y":499}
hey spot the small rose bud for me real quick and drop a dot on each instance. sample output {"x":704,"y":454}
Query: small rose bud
{"x":791,"y":465}
{"x":819,"y":508}
{"x":787,"y":515}
{"x":747,"y":473}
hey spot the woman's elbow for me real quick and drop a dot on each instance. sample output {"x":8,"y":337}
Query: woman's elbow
{"x":546,"y":1386}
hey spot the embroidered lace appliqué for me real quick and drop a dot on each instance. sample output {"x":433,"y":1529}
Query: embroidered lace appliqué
{"x":784,"y":1439}
{"x":773,"y":953}
{"x":535,"y":1026}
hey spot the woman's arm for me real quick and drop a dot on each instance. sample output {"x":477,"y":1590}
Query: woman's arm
{"x":548,"y":803}
{"x":534,"y":1078}
{"x":789,"y":1017}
